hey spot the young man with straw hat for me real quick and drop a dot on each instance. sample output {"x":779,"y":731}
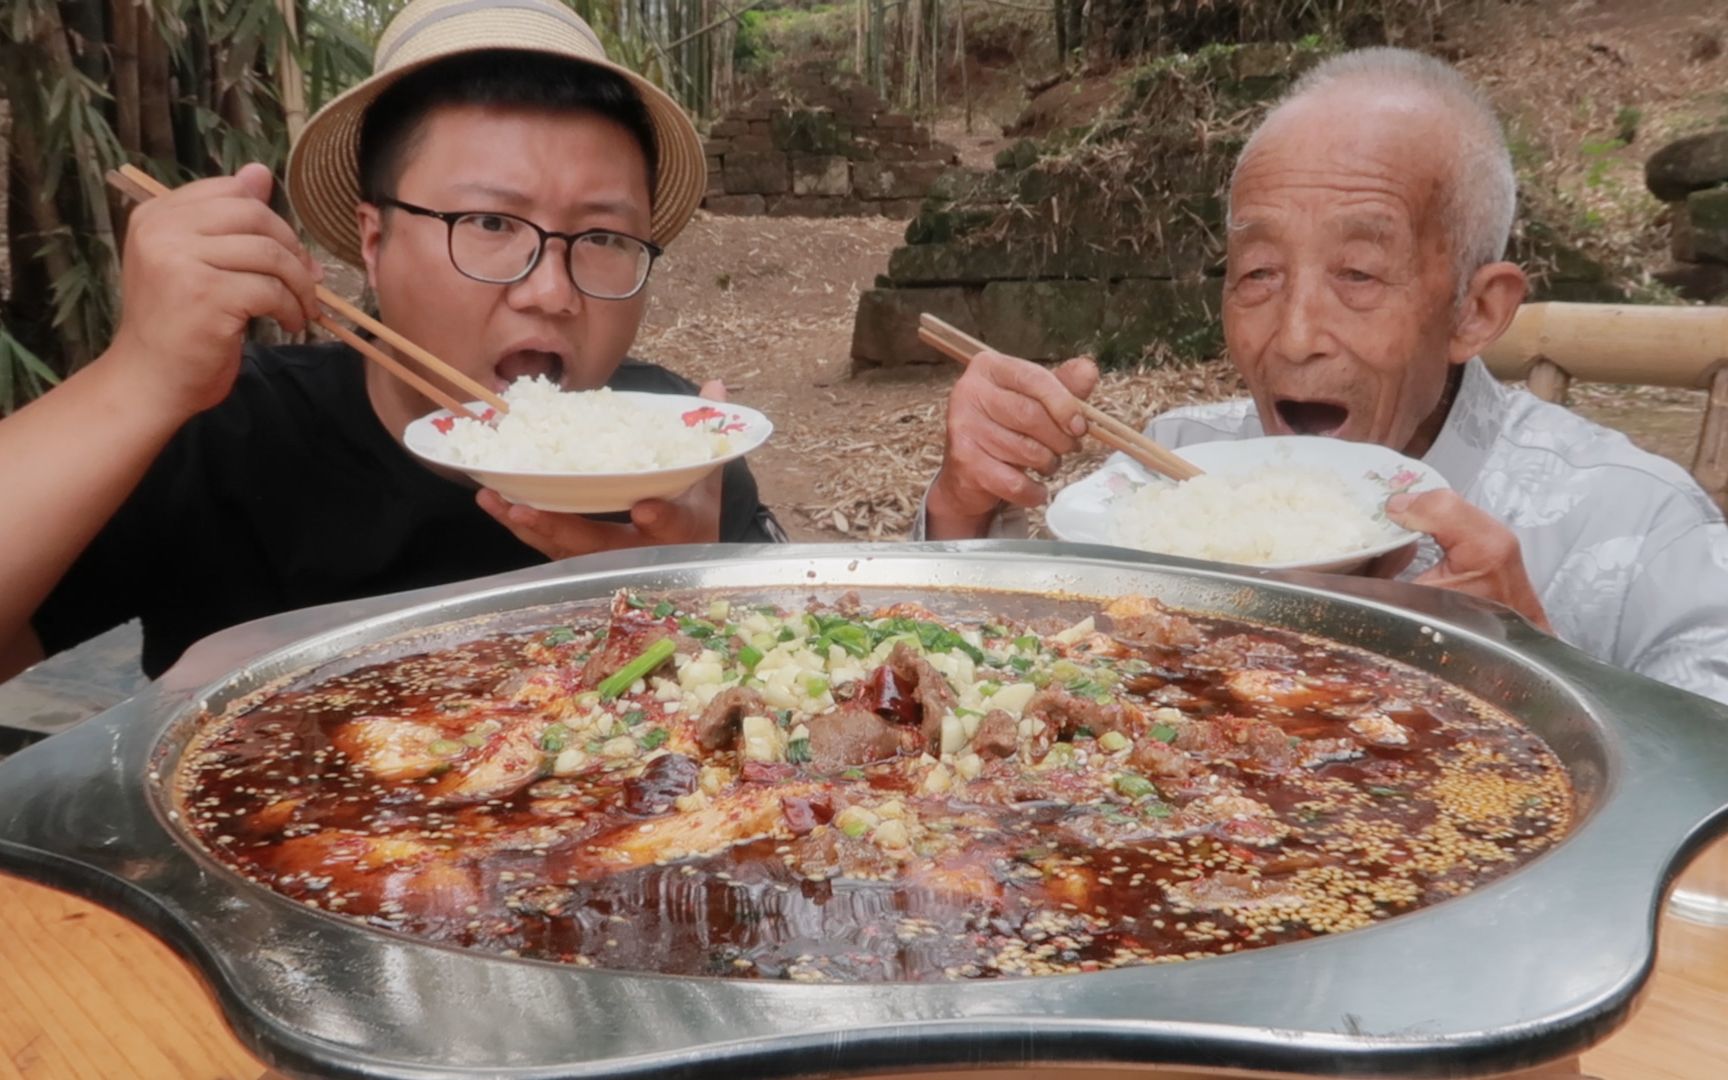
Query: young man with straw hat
{"x":196,"y":482}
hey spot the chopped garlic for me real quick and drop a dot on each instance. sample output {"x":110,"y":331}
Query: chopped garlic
{"x":953,"y":734}
{"x":939,"y":779}
{"x":891,"y":834}
{"x":1013,"y":697}
{"x":969,"y":765}
{"x":714,"y":779}
{"x":763,"y":740}
{"x":569,"y":760}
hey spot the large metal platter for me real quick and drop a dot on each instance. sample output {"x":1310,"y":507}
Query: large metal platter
{"x":1530,"y":968}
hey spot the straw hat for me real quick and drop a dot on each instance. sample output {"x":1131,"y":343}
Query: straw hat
{"x":323,"y":167}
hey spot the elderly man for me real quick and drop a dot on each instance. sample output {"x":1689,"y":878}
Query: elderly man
{"x":1369,"y":216}
{"x":506,"y":190}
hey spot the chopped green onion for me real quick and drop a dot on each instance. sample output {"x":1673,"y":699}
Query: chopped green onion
{"x":1112,"y":741}
{"x":785,"y":634}
{"x":988,"y":687}
{"x":1134,"y":786}
{"x":750,"y":656}
{"x":1163,"y":733}
{"x":562,"y":635}
{"x":1386,"y":792}
{"x":938,"y":638}
{"x":635,"y":602}
{"x":1152,"y":808}
{"x":593,"y":745}
{"x":1082,"y":732}
{"x":553,"y":738}
{"x":994,"y":630}
{"x":1020,"y":664}
{"x":633,"y":717}
{"x":798,"y":751}
{"x":967,"y":712}
{"x":851,"y":637}
{"x":815,"y":686}
{"x":853,"y":774}
{"x":1026,"y":643}
{"x":474,"y":739}
{"x":446,"y":747}
{"x":855,"y":827}
{"x":654,"y":739}
{"x":784,"y":716}
{"x":649,"y":659}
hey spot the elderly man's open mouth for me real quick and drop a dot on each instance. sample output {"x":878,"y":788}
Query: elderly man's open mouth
{"x":1312,"y":417}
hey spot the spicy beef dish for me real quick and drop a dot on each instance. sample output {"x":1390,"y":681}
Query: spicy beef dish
{"x":836,"y":793}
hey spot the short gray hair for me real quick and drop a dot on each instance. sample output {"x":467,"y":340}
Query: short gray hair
{"x":1481,"y":193}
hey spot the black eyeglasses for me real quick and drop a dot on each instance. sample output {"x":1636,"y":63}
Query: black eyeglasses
{"x":502,"y":249}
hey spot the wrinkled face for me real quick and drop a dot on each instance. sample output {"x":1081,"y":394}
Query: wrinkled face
{"x":566,"y":172}
{"x":1338,"y":301}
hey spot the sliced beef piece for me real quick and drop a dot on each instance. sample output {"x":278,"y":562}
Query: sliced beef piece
{"x":662,"y":782}
{"x":1144,"y":621}
{"x":936,"y":698}
{"x":828,"y":853}
{"x":1161,"y":760}
{"x":1244,"y":651}
{"x":1067,"y":713}
{"x":1254,"y":743}
{"x":998,"y":735}
{"x":851,"y":735}
{"x":1228,"y":891}
{"x":630,"y":631}
{"x":719,"y":724}
{"x":805,"y":812}
{"x":1313,"y":753}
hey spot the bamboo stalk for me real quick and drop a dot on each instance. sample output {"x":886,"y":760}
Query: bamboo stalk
{"x":1549,"y":382}
{"x":289,"y":77}
{"x":1710,"y":466}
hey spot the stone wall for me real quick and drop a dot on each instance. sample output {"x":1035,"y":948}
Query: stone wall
{"x":1691,"y":175}
{"x":822,"y":149}
{"x":1109,"y":242}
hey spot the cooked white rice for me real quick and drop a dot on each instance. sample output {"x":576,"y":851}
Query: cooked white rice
{"x":1274,"y":515}
{"x":580,"y":431}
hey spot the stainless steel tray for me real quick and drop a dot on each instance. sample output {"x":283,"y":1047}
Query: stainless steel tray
{"x":1531,"y":968}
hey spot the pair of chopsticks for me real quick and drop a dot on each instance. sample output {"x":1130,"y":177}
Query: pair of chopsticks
{"x":142,"y":187}
{"x":1108,"y":430}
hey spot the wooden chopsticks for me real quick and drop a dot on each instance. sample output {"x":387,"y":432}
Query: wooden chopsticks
{"x":141,"y":186}
{"x":1108,"y":430}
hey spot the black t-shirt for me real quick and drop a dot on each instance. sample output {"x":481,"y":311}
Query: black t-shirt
{"x":291,"y":494}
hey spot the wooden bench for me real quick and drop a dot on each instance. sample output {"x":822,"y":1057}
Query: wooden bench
{"x":1551,"y":345}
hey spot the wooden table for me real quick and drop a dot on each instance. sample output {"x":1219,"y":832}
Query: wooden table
{"x":86,"y":994}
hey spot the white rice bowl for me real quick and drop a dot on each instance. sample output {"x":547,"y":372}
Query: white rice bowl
{"x":579,"y":431}
{"x":1277,"y":515}
{"x":1279,"y":502}
{"x":589,"y":451}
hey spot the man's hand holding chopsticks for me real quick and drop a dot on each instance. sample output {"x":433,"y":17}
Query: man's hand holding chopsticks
{"x":200,"y":262}
{"x":1005,"y":416}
